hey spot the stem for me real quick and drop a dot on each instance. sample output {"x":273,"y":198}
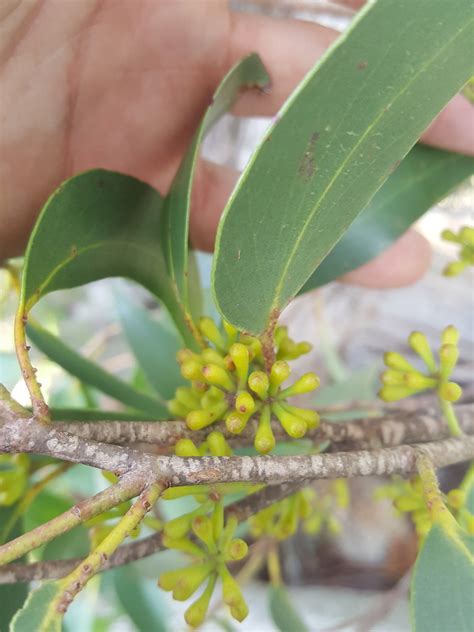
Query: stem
{"x":75,"y":581}
{"x":83,"y":511}
{"x":40,"y":408}
{"x":432,"y":493}
{"x":274,"y":569}
{"x":450,"y":416}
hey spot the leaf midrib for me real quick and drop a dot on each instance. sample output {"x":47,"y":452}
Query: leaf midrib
{"x":302,"y":232}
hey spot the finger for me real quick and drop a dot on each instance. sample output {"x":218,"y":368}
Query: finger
{"x":289,"y":49}
{"x":403,"y":263}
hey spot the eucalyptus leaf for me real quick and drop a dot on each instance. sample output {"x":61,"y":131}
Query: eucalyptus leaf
{"x":423,"y":178}
{"x":12,"y":596}
{"x":443,"y":583}
{"x":154,"y":343}
{"x":96,"y":225}
{"x":92,"y":374}
{"x":283,"y":612}
{"x":336,"y":140}
{"x":142,"y":606}
{"x":36,"y":613}
{"x":247,"y":73}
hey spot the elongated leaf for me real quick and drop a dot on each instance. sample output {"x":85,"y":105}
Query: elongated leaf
{"x":443,"y":583}
{"x":247,"y":73}
{"x":336,"y":140}
{"x":143,"y":607}
{"x":100,"y":224}
{"x":36,"y":613}
{"x":154,"y":344}
{"x":93,"y":374}
{"x":283,"y":613}
{"x":423,"y":178}
{"x":12,"y":596}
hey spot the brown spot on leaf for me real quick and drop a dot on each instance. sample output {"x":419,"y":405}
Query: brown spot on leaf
{"x":362,"y":65}
{"x":307,"y":166}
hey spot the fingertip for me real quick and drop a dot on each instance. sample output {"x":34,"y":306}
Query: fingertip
{"x":453,"y":128}
{"x":403,"y":263}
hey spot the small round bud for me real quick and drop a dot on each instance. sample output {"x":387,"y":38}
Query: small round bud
{"x":450,"y":335}
{"x":185,"y":447}
{"x":417,"y":381}
{"x":177,"y":409}
{"x":311,"y":417}
{"x":235,"y":422}
{"x":420,"y":345}
{"x":394,"y":393}
{"x":217,"y":444}
{"x":217,"y":376}
{"x":449,"y":235}
{"x":197,"y":611}
{"x":396,"y":361}
{"x":258,"y":382}
{"x":178,"y":527}
{"x":187,"y":584}
{"x":231,"y":331}
{"x":450,"y":391}
{"x":264,"y":438}
{"x":409,"y":503}
{"x":454,"y":268}
{"x":211,"y":356}
{"x":456,"y":498}
{"x":198,"y":419}
{"x":232,"y":595}
{"x":448,"y":356}
{"x":209,"y":330}
{"x":244,"y":403}
{"x":188,"y":397}
{"x":237,"y":549}
{"x":392,"y":377}
{"x":240,"y":357}
{"x":307,"y":383}
{"x":279,"y":372}
{"x":202,"y":528}
{"x":191,"y":370}
{"x":294,"y":426}
{"x":466,"y":234}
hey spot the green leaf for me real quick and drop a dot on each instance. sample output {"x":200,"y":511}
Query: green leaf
{"x":93,"y":374}
{"x":283,"y":613}
{"x":96,"y":225}
{"x":423,"y":178}
{"x":247,"y":73}
{"x":143,"y":607}
{"x":443,"y":583}
{"x":12,"y":596}
{"x":336,"y":140}
{"x":154,"y":344}
{"x":36,"y":615}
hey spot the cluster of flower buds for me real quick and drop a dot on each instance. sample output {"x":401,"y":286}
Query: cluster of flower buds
{"x":407,"y":497}
{"x":465,"y":239}
{"x":14,"y":470}
{"x":229,"y":382}
{"x":308,"y":508}
{"x":212,"y":546}
{"x":401,"y":379}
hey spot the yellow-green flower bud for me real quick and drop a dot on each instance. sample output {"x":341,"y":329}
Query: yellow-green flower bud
{"x":450,"y":391}
{"x":448,"y":356}
{"x":191,"y":370}
{"x":454,"y":268}
{"x":392,"y":377}
{"x":307,"y":383}
{"x":237,"y":549}
{"x":456,"y":498}
{"x":279,"y":372}
{"x":218,"y":446}
{"x":466,"y":235}
{"x":178,"y":527}
{"x":168,"y":580}
{"x":281,"y":332}
{"x":333,"y":525}
{"x":244,"y":403}
{"x":212,"y":397}
{"x":231,"y":331}
{"x":450,"y":335}
{"x":264,"y":438}
{"x":232,"y":595}
{"x":184,"y":355}
{"x":197,"y":611}
{"x":188,"y":397}
{"x":294,"y":426}
{"x":185,"y":447}
{"x":394,"y":393}
{"x":209,"y":330}
{"x":199,"y":419}
{"x":217,"y":376}
{"x":217,"y":520}
{"x":313,"y":525}
{"x":203,"y":529}
{"x":177,"y":409}
{"x":449,"y":235}
{"x":235,"y":422}
{"x":341,"y":490}
{"x":188,"y":583}
{"x":240,"y":357}
{"x":420,"y":345}
{"x":310,"y":416}
{"x":409,"y":503}
{"x":418,"y":381}
{"x":183,"y":544}
{"x":396,"y":361}
{"x":211,"y":356}
{"x":470,"y":524}
{"x":258,"y":382}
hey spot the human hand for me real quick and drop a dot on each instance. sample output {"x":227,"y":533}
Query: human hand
{"x":122,"y":85}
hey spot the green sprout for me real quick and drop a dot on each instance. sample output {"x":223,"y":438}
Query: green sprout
{"x":465,"y":239}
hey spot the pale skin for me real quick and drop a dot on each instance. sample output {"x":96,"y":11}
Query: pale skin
{"x":122,"y":84}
